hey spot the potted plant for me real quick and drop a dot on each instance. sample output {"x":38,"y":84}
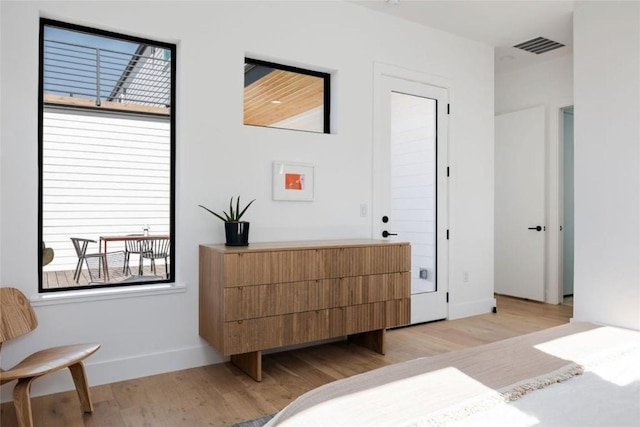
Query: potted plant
{"x":236,"y":231}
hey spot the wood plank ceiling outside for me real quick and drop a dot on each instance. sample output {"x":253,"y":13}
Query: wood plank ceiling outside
{"x":296,"y":92}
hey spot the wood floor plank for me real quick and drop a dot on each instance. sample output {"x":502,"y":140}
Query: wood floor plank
{"x":106,"y":413}
{"x":221,"y":395}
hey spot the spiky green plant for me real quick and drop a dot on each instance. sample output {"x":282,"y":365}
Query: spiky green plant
{"x":233,"y":215}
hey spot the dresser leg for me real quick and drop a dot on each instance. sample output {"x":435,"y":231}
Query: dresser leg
{"x":373,"y":340}
{"x":250,"y":363}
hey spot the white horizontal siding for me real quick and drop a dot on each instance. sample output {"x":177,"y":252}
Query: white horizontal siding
{"x":413,"y":159}
{"x":103,"y":174}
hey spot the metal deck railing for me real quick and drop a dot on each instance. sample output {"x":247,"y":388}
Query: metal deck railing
{"x":76,"y":71}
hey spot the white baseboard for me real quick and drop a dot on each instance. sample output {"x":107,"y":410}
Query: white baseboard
{"x":110,"y":371}
{"x":458,"y":311}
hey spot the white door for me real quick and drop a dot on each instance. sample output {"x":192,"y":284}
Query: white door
{"x":410,"y":185}
{"x":520,"y":204}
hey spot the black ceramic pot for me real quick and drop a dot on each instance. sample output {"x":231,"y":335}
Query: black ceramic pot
{"x":237,"y":233}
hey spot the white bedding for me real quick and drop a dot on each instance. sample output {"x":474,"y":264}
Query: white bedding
{"x":473,"y":387}
{"x":607,"y":394}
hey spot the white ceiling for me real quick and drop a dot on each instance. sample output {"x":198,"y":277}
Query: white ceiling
{"x":501,"y":24}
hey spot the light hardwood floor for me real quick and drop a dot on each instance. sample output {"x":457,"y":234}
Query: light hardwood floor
{"x":220,"y":395}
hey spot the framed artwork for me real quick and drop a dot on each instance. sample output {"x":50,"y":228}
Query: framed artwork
{"x":292,"y":181}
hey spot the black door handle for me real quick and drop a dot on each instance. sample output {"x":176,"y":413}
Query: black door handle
{"x":537,"y":228}
{"x":385,"y":233}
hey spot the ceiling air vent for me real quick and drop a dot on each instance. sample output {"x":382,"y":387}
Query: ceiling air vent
{"x":539,"y":45}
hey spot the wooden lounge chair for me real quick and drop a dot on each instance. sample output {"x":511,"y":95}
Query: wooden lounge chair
{"x":17,"y":319}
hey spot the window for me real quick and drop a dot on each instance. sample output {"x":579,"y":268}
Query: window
{"x":106,"y":159}
{"x":285,"y":97}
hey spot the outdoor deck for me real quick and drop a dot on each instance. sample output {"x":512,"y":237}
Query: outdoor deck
{"x":64,"y":279}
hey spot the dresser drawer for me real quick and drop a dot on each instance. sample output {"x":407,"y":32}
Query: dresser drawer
{"x":249,"y":302}
{"x":257,"y":268}
{"x":242,"y":336}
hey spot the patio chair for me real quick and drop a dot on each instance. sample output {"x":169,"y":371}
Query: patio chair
{"x":80,"y":245}
{"x":17,"y":318}
{"x":134,"y":247}
{"x":158,"y":249}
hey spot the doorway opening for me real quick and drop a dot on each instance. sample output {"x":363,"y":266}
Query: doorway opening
{"x":566,"y":202}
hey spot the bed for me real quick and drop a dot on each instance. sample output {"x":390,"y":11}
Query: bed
{"x":569,"y":375}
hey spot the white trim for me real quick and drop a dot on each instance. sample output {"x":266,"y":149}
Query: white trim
{"x":559,"y":280}
{"x":138,"y":366}
{"x":128,"y":368}
{"x":76,"y":296}
{"x":382,"y":69}
{"x":459,"y":311}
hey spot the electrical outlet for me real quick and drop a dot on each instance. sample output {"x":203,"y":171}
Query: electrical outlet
{"x":364,"y":210}
{"x":465,"y":276}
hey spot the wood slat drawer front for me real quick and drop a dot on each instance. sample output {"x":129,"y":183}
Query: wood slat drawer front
{"x":398,"y":312}
{"x":248,"y":302}
{"x":347,"y":262}
{"x":258,"y":268}
{"x":365,"y":317}
{"x":243,"y":336}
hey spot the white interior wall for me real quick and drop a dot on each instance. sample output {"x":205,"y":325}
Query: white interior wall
{"x":218,"y":157}
{"x":607,"y":162}
{"x":549,"y":84}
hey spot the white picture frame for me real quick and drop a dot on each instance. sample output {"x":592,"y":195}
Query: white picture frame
{"x":293,"y":181}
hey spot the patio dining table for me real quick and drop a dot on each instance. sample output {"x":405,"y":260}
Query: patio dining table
{"x":104,"y":240}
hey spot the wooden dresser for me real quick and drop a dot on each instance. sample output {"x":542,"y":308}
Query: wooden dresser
{"x":269,"y":295}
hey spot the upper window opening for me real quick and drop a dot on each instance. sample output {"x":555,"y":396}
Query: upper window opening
{"x":107,"y":145}
{"x":285,"y":97}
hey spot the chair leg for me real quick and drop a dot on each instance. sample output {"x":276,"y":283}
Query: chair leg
{"x":89,"y":271}
{"x":105,"y":267}
{"x":80,"y":380}
{"x":76,"y":274}
{"x":125,"y":265}
{"x":22,"y":402}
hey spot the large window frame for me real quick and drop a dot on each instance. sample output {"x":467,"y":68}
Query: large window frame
{"x":44,"y":22}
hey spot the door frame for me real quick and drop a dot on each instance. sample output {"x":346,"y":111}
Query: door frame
{"x":381,"y":70}
{"x":560,"y":212}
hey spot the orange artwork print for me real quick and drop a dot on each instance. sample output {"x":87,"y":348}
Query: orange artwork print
{"x":294,"y":181}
